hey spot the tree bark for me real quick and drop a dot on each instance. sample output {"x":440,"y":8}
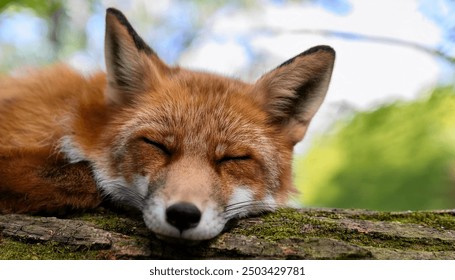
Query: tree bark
{"x":285,"y":234}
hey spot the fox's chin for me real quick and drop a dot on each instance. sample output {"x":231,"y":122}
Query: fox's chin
{"x":178,"y":240}
{"x":185,"y":238}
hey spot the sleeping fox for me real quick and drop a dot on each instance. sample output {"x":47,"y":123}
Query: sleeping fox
{"x":190,"y":150}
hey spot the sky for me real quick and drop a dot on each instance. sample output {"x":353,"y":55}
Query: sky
{"x":366,"y":73}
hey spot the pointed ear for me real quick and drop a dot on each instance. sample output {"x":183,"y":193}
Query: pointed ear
{"x":132,"y":66}
{"x":293,"y":92}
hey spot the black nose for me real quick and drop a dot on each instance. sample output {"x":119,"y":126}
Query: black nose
{"x":183,"y":215}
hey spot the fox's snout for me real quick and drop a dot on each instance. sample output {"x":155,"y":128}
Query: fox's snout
{"x":183,"y":215}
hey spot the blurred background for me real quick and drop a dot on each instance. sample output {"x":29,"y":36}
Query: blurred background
{"x":385,"y":137}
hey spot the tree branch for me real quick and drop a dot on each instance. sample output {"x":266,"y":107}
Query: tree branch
{"x":370,"y":38}
{"x":285,"y":234}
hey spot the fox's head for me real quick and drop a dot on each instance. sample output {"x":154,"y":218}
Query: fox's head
{"x":193,"y":150}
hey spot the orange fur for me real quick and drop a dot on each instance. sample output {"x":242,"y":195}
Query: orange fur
{"x":191,"y":150}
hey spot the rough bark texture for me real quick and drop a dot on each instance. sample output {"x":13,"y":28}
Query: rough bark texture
{"x":286,"y":234}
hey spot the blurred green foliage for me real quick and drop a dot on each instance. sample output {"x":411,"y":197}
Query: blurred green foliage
{"x":398,"y":157}
{"x":42,"y":8}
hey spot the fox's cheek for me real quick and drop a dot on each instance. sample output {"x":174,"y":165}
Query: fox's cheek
{"x":248,"y":173}
{"x":244,"y":201}
{"x":142,"y":183}
{"x":141,"y":159}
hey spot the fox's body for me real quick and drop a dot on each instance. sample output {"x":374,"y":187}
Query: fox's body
{"x":191,"y":150}
{"x":34,"y":108}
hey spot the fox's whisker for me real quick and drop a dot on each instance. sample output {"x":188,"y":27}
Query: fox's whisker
{"x":250,"y":206}
{"x":248,"y":203}
{"x":127,"y":195}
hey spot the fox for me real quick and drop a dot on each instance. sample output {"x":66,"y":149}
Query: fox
{"x":190,"y":150}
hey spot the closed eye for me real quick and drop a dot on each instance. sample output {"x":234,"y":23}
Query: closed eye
{"x":233,"y":158}
{"x":158,"y":145}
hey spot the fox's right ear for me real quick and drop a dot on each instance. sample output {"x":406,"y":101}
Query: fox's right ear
{"x":293,"y":92}
{"x":132,"y":66}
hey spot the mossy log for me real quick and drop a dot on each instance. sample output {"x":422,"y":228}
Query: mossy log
{"x":285,"y":234}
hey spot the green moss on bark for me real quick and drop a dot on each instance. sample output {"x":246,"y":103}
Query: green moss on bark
{"x":308,"y":224}
{"x":11,"y":249}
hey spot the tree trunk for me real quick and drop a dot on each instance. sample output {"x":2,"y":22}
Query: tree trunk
{"x":285,"y":234}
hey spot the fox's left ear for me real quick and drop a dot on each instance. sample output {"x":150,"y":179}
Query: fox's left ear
{"x":132,"y":66}
{"x":293,"y":92}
